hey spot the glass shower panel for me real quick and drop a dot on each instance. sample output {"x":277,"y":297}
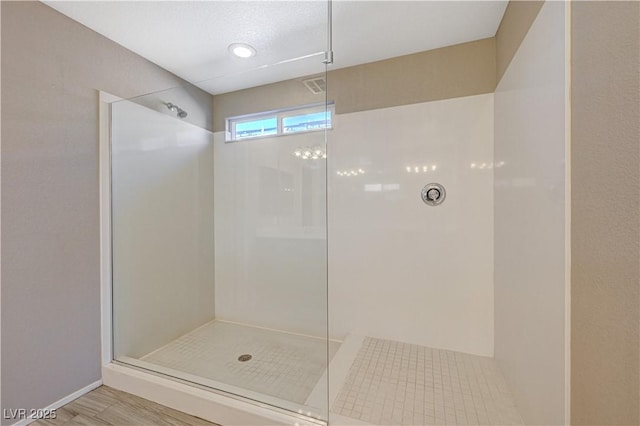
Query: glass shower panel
{"x":162,"y":227}
{"x":219,"y":237}
{"x":271,"y":258}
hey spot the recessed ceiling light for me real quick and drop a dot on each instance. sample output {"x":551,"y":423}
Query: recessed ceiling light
{"x":242,"y":50}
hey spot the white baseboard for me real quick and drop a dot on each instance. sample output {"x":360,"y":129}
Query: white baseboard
{"x":61,"y":402}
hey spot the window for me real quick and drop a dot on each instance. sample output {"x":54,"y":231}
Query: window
{"x":277,"y":123}
{"x":260,"y":127}
{"x":306,"y":122}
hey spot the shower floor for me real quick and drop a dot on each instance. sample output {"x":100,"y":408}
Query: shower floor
{"x":284,"y":366}
{"x":373,"y":381}
{"x":393,"y":383}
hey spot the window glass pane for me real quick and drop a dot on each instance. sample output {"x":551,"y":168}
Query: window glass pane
{"x":260,"y":127}
{"x":306,"y":122}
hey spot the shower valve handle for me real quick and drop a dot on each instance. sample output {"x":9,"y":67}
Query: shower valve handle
{"x":433,"y":194}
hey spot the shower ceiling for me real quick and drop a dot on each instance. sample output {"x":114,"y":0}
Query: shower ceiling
{"x":191,"y":38}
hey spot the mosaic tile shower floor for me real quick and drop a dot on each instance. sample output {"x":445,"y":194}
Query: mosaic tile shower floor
{"x":393,"y":383}
{"x":283,"y":365}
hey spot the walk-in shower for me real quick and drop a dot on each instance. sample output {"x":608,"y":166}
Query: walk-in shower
{"x":336,"y":242}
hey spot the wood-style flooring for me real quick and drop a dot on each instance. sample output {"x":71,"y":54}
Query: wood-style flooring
{"x":106,"y":406}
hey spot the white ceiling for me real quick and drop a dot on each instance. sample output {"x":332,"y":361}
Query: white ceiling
{"x":190,"y":38}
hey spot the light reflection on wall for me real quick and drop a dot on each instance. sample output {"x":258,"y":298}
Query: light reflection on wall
{"x":421,"y":169}
{"x":310,"y":152}
{"x":348,"y":173}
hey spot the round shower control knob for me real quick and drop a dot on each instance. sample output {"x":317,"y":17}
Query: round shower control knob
{"x":433,"y":194}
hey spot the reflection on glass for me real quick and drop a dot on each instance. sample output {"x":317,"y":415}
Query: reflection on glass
{"x":311,"y":153}
{"x":353,"y":172}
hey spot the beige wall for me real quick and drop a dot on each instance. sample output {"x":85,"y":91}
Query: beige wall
{"x":514,"y":26}
{"x":52,"y":69}
{"x":605,"y":213}
{"x":450,"y":72}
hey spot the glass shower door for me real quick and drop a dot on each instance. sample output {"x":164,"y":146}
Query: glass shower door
{"x":219,"y":230}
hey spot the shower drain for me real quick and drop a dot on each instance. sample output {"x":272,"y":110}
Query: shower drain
{"x":244,"y":358}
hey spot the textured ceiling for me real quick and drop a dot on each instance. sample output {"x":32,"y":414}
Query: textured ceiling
{"x":190,"y":38}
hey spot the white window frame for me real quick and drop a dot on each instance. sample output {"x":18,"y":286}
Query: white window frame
{"x":280,"y":115}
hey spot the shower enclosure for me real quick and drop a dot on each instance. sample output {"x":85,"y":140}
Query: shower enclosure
{"x":353,"y":246}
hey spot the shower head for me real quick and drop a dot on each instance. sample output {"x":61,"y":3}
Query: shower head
{"x":173,"y":107}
